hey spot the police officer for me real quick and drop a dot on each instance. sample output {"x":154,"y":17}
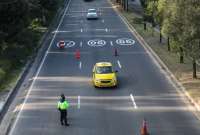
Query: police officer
{"x":62,"y":106}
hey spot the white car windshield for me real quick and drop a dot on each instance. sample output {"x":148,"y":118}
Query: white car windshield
{"x":91,"y":10}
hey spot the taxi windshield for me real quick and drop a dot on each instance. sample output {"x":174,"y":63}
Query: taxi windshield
{"x":104,"y":70}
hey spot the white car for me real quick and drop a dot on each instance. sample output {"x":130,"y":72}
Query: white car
{"x":92,"y":14}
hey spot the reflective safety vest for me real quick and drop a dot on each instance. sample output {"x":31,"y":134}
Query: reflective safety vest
{"x":63,"y":105}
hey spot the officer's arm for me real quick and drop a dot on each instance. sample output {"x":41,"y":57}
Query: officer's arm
{"x":58,"y":106}
{"x":67,"y":104}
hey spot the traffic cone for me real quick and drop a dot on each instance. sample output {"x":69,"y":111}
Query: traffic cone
{"x":116,"y":52}
{"x":144,"y":130}
{"x":77,"y":54}
{"x":61,"y":46}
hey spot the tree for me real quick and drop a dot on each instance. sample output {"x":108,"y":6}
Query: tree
{"x":191,"y":32}
{"x":183,"y":27}
{"x":14,"y":17}
{"x":173,"y":26}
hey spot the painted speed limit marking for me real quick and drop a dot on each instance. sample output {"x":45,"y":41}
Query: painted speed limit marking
{"x":67,"y":44}
{"x":96,"y":42}
{"x":125,"y":41}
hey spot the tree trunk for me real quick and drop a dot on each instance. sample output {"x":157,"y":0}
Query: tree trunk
{"x":181,"y":55}
{"x":127,"y":5}
{"x":160,"y":37}
{"x":194,"y":69}
{"x":145,"y":26}
{"x":168,"y":44}
{"x":123,"y":4}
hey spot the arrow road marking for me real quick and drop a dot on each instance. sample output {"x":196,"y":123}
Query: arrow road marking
{"x":133,"y":100}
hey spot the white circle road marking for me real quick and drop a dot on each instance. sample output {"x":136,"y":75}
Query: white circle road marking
{"x":68,"y":43}
{"x":125,"y":41}
{"x":96,"y":42}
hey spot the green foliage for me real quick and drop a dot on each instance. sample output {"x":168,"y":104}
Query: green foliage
{"x":14,"y":17}
{"x":180,"y":21}
{"x":2,"y":74}
{"x":19,"y":30}
{"x":35,"y":23}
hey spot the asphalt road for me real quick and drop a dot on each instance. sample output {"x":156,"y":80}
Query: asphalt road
{"x":143,"y":91}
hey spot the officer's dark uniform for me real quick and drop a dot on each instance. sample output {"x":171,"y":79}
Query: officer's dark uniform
{"x":62,"y":106}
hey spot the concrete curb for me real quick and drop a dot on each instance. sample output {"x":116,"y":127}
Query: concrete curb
{"x":179,"y":87}
{"x":28,"y":65}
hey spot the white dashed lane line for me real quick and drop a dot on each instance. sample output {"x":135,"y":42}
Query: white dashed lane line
{"x":80,"y":64}
{"x":106,"y":29}
{"x":79,"y":102}
{"x":71,"y":24}
{"x":103,"y":21}
{"x":65,"y":31}
{"x":119,"y":64}
{"x":81,"y":44}
{"x":133,"y":101}
{"x":111,"y":43}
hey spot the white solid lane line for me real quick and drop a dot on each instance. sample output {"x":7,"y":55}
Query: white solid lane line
{"x":119,"y":64}
{"x":80,"y":64}
{"x":79,"y":102}
{"x":37,"y":73}
{"x":133,"y":100}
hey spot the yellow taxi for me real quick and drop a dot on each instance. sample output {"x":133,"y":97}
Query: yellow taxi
{"x":103,"y":75}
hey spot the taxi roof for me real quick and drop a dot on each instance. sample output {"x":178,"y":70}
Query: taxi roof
{"x":103,"y":64}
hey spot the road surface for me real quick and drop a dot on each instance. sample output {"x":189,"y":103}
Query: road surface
{"x":143,"y":91}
